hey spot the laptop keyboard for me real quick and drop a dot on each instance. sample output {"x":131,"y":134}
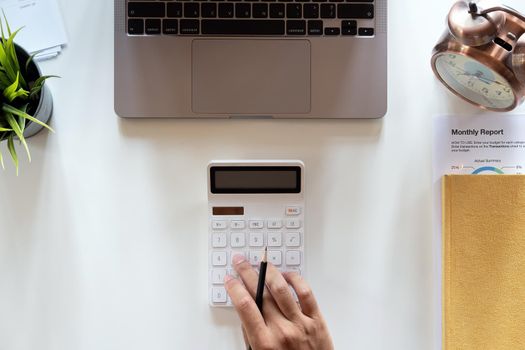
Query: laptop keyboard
{"x":251,"y":17}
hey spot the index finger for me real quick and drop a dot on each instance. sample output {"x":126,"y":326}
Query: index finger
{"x":304,"y":294}
{"x":248,"y":312}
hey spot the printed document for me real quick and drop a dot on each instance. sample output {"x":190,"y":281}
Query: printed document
{"x":43,"y":30}
{"x":488,"y":144}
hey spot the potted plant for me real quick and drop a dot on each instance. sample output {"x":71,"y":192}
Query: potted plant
{"x":25,"y":102}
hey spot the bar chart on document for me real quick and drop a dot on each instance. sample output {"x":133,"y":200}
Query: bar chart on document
{"x":473,"y":169}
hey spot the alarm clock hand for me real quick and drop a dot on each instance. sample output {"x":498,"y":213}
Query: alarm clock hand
{"x":481,"y":78}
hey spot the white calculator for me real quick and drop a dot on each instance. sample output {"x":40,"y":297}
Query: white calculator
{"x":251,"y":205}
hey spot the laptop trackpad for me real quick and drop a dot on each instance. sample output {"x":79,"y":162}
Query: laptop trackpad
{"x":251,"y":77}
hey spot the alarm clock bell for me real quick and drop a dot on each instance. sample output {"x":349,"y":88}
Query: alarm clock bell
{"x":481,"y":57}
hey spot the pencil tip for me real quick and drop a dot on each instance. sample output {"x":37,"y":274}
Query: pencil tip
{"x":265,"y":256}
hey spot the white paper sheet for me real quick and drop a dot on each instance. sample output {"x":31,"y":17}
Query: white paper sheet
{"x":42,"y":22}
{"x":480,"y":144}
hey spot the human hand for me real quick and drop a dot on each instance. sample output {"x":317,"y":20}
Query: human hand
{"x":286,"y":324}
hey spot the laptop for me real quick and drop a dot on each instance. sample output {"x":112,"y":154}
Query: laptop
{"x":251,"y":58}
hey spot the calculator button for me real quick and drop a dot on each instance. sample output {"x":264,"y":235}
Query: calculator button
{"x":256,"y":257}
{"x":239,"y":252}
{"x":217,"y":276}
{"x":237,"y":224}
{"x":256,"y":224}
{"x":275,"y":224}
{"x":293,"y":211}
{"x":218,"y":259}
{"x":237,"y":239}
{"x":275,"y":257}
{"x":293,"y":257}
{"x":233,"y":273}
{"x":293,"y":239}
{"x":218,"y":240}
{"x":274,"y":239}
{"x":256,"y":239}
{"x":294,"y":269}
{"x":218,"y":224}
{"x":293,"y":223}
{"x":219,"y":295}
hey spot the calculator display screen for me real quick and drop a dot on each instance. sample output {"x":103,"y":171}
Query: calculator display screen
{"x":256,"y":179}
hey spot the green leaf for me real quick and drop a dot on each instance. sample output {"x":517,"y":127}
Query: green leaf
{"x":11,"y":51}
{"x":21,"y":120}
{"x":13,"y":110}
{"x":12,"y":92}
{"x":39,"y":83}
{"x":2,"y":27}
{"x":31,"y":58}
{"x":8,"y":58}
{"x":4,"y":80}
{"x":6,"y":23}
{"x":12,"y":150}
{"x":4,"y":129}
{"x":16,"y":128}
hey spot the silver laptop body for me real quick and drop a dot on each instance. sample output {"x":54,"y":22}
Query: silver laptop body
{"x":260,"y":59}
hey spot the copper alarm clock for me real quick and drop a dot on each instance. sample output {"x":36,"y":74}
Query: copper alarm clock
{"x":481,"y":56}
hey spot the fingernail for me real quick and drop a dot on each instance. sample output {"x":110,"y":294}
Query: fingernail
{"x":227,"y":278}
{"x":237,"y":259}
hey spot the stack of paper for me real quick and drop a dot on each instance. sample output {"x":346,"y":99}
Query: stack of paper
{"x":43,"y":31}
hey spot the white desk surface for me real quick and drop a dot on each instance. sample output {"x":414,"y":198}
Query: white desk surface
{"x":103,"y":238}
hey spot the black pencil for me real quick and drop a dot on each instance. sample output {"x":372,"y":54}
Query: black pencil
{"x":262,"y":282}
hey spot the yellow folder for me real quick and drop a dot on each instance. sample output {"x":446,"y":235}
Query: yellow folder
{"x":484,"y":262}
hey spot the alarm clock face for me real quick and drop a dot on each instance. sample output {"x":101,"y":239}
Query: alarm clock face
{"x":474,"y":81}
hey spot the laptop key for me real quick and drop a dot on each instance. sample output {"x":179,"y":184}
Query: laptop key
{"x":189,"y":26}
{"x":191,"y":10}
{"x":170,"y":26}
{"x":260,"y":10}
{"x":332,"y":31}
{"x":296,"y":27}
{"x":327,"y":10}
{"x":366,"y":31}
{"x":146,"y":9}
{"x":311,"y":10}
{"x":209,"y":10}
{"x":355,"y":11}
{"x":242,"y":27}
{"x":243,"y":10}
{"x":276,"y":10}
{"x":294,"y":10}
{"x":226,"y":10}
{"x":349,"y":27}
{"x":349,"y":30}
{"x":349,"y":23}
{"x":315,"y":27}
{"x":174,"y":9}
{"x":153,"y":26}
{"x":136,"y":26}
